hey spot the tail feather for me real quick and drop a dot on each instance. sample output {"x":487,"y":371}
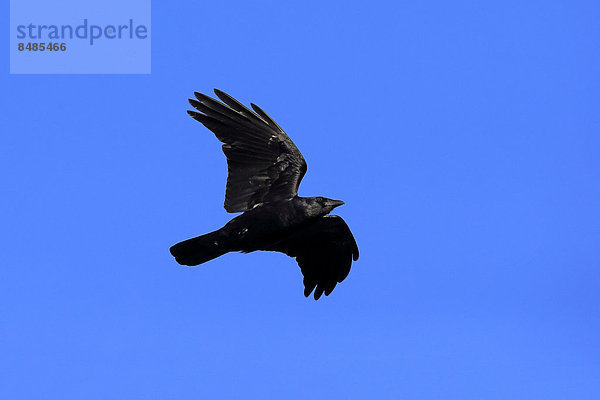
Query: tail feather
{"x":199,"y":250}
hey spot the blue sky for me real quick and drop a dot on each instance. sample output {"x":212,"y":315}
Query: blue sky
{"x":459,"y":134}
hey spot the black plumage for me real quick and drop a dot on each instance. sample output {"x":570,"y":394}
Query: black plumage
{"x":264,"y":171}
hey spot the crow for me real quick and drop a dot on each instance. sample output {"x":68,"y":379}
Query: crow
{"x":264,"y":171}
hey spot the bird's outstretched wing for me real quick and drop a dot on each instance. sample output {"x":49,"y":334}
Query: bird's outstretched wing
{"x":263,"y":163}
{"x":324,"y":251}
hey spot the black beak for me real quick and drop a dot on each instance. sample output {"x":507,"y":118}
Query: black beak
{"x":335,"y":203}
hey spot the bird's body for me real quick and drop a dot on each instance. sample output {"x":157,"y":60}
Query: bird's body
{"x":259,"y":228}
{"x":265,"y":224}
{"x":265,"y":169}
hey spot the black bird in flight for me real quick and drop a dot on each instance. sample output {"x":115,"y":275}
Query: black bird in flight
{"x":264,"y":171}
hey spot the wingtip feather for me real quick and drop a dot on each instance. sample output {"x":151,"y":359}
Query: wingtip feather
{"x":194,"y":103}
{"x":222,"y":95}
{"x":203,"y":98}
{"x":318,"y":292}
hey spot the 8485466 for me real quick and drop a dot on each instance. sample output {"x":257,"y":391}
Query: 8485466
{"x":50,"y":46}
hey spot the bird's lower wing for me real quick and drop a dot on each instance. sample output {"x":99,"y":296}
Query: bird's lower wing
{"x":324,"y":251}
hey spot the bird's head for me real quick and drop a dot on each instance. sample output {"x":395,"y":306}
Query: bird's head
{"x":318,"y":206}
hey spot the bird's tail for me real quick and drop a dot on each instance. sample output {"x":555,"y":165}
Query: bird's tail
{"x":200,"y":249}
